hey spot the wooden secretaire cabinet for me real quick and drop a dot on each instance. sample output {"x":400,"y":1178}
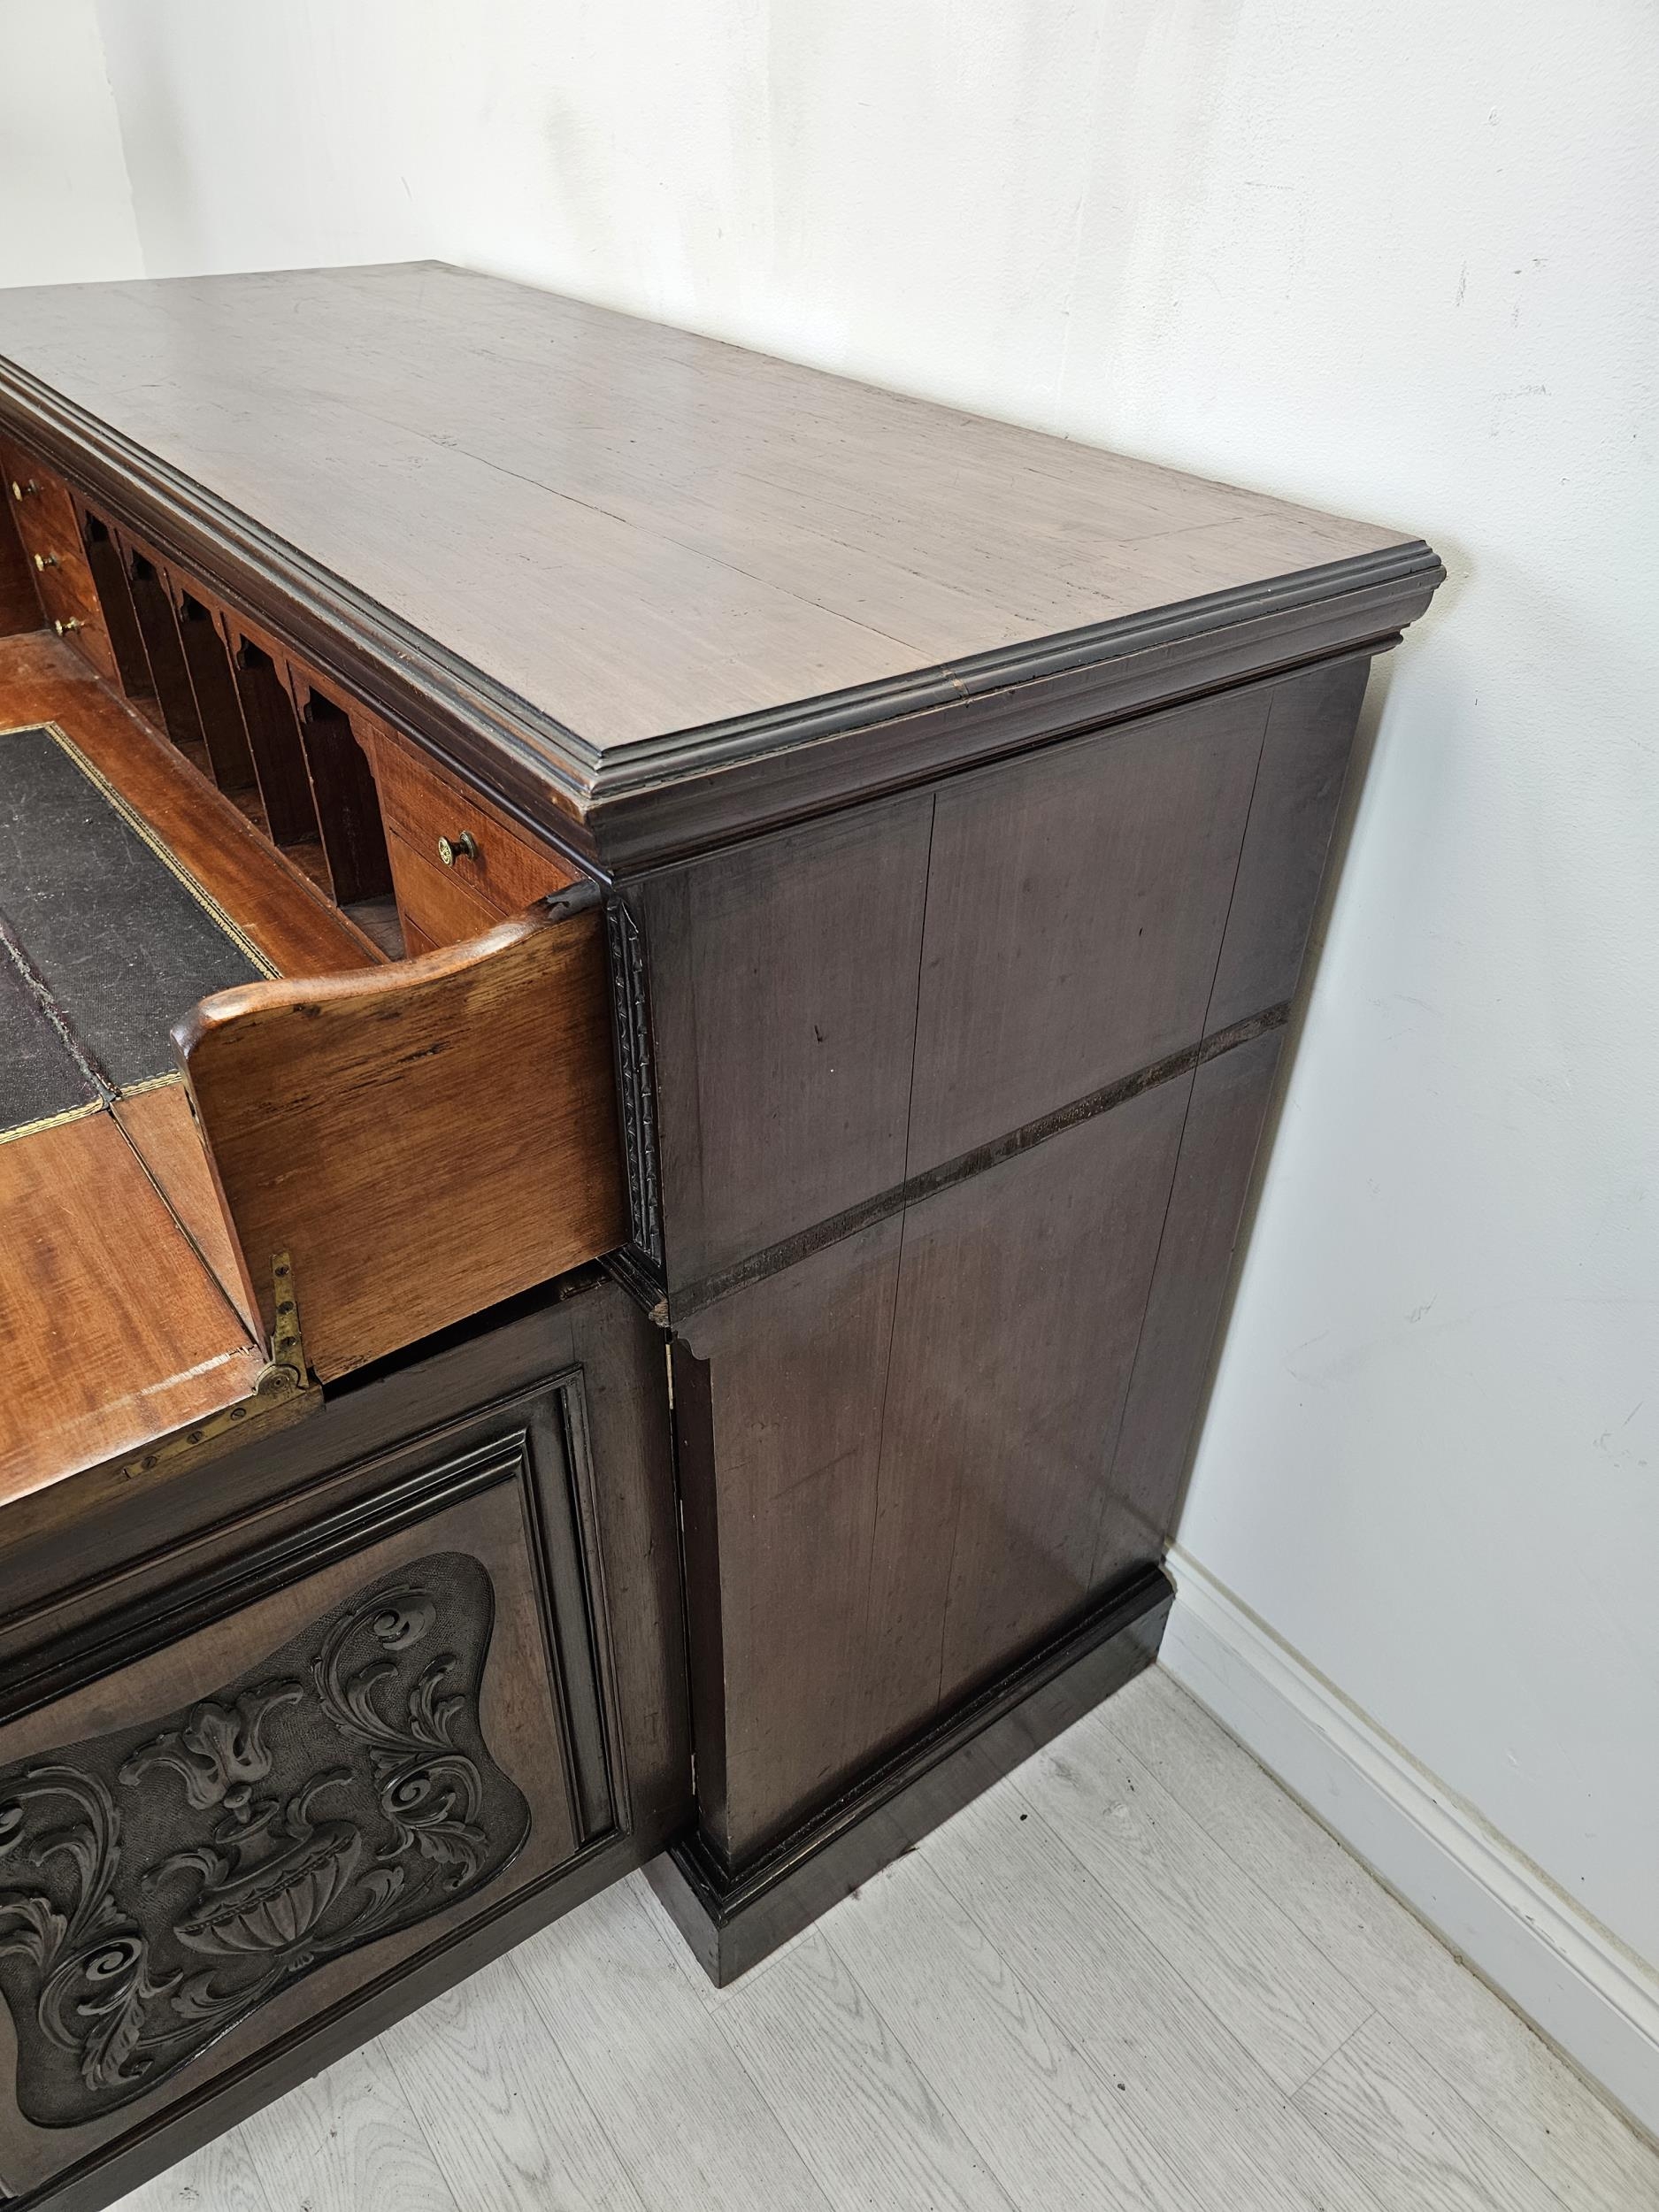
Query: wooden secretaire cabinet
{"x":641,"y":989}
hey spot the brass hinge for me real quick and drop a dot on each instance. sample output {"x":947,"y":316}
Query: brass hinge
{"x":282,"y":1390}
{"x":285,"y":1371}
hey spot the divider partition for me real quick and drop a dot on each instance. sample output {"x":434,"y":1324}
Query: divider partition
{"x":176,"y":697}
{"x":115,"y":598}
{"x":250,"y":722}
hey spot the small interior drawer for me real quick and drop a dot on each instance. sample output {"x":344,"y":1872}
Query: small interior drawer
{"x":50,"y":534}
{"x":433,"y":901}
{"x":432,"y":815}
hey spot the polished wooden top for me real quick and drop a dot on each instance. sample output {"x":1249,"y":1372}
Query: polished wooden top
{"x":633,"y":532}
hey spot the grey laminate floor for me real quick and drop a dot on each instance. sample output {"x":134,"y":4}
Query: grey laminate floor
{"x":1134,"y":1974}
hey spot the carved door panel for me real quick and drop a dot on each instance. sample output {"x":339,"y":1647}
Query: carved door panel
{"x":218,"y":1843}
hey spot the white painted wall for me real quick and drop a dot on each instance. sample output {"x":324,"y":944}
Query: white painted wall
{"x":65,"y":206}
{"x":1397,"y":258}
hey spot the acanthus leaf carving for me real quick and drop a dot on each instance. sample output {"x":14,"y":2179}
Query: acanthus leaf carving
{"x":220,"y":1751}
{"x":158,"y":1885}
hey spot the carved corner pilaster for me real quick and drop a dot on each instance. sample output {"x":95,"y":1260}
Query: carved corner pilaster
{"x":636,"y":1094}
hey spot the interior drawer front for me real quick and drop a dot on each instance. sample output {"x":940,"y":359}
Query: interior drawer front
{"x":433,"y":901}
{"x":39,"y":500}
{"x":50,"y":534}
{"x":277,"y":1799}
{"x":423,"y":806}
{"x":397,"y":1228}
{"x":46,"y":523}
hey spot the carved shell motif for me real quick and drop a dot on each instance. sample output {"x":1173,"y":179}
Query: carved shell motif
{"x":156,"y":1885}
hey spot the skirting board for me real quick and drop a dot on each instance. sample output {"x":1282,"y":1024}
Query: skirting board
{"x":733,"y":1921}
{"x":1596,"y":2001}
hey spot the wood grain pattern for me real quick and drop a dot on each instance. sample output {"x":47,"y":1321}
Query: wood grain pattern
{"x":99,"y":1540}
{"x":1149,"y":1453}
{"x":913,"y":1435}
{"x":432,"y":899}
{"x":1408,"y":2135}
{"x":691,"y":2127}
{"x":783,"y":1517}
{"x":347,"y":2139}
{"x":895,"y":2103}
{"x":1304,"y":760}
{"x":122,"y":1548}
{"x":222,"y":2177}
{"x":158,"y":1126}
{"x":1196,"y":2089}
{"x":714,"y":786}
{"x":734,"y":1919}
{"x":43,"y":515}
{"x":636,"y":1522}
{"x":783,"y":994}
{"x":1058,"y":2132}
{"x":864,"y":514}
{"x":274,"y":738}
{"x":507,"y":2124}
{"x":1075,"y":909}
{"x":760,"y":596}
{"x":112,"y":1330}
{"x":346,"y":803}
{"x":422,"y":804}
{"x":330,"y":1111}
{"x":1566,"y":2133}
{"x":1259,"y":1975}
{"x":41,"y":680}
{"x":871,"y":2127}
{"x":844,"y":1006}
{"x":1020,"y":1297}
{"x":508,"y":1731}
{"x":669,"y":696}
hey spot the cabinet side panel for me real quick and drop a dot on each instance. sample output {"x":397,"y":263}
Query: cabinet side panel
{"x":910,"y":1430}
{"x":1075,"y":907}
{"x":1230,"y":1100}
{"x":783,"y":995}
{"x":797,"y":1371}
{"x":1020,"y":1299}
{"x":937,"y":1441}
{"x":1304,"y":764}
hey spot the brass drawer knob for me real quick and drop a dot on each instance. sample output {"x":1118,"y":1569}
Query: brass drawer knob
{"x":73,"y":623}
{"x":46,"y":560}
{"x":21,"y":491}
{"x":453,"y":849}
